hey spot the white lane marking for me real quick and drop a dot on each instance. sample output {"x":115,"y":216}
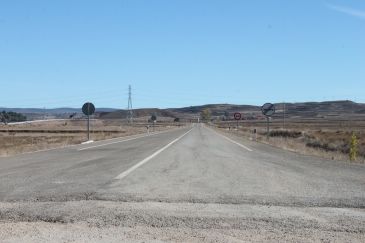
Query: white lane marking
{"x":232,"y":141}
{"x":105,"y":144}
{"x":88,"y":142}
{"x":125,"y":140}
{"x":130,"y":170}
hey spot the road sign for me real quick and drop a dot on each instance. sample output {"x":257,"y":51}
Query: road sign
{"x":88,"y":109}
{"x":268,"y":109}
{"x":237,"y":116}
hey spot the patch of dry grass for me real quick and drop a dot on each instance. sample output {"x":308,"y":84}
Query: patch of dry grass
{"x":318,"y":139}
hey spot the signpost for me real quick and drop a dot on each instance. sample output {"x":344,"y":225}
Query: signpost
{"x":154,"y":120}
{"x":237,"y":116}
{"x":268,"y":110}
{"x":88,"y":109}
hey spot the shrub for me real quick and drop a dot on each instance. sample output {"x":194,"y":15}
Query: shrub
{"x":205,"y":115}
{"x":11,"y":117}
{"x":285,"y":134}
{"x":319,"y":145}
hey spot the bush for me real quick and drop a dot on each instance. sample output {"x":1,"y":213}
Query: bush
{"x":12,"y":117}
{"x":205,"y":115}
{"x":323,"y":146}
{"x":285,"y":134}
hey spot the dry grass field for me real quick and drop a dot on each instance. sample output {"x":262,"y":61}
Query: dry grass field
{"x":324,"y":138}
{"x":30,"y":137}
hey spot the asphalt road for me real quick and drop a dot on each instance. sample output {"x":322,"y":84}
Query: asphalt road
{"x":194,"y":181}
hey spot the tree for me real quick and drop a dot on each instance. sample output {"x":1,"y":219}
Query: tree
{"x":11,"y":117}
{"x":153,"y":117}
{"x":3,"y":118}
{"x":205,"y":115}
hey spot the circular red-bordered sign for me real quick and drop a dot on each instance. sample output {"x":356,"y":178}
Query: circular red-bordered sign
{"x":237,"y":116}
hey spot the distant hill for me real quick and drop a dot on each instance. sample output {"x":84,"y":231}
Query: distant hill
{"x":327,"y":109}
{"x":147,"y":112}
{"x":216,"y":109}
{"x":303,"y":110}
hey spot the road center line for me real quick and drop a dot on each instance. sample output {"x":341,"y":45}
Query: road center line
{"x":130,"y":170}
{"x":232,"y":141}
{"x":125,"y":140}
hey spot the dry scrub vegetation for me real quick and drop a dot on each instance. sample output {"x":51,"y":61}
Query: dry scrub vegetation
{"x":328,"y":139}
{"x":15,"y":139}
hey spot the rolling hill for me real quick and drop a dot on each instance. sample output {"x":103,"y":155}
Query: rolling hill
{"x":327,"y":109}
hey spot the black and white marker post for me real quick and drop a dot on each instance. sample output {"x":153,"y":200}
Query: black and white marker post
{"x":268,"y":110}
{"x":88,"y":109}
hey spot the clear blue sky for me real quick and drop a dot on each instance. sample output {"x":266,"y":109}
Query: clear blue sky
{"x":180,"y":53}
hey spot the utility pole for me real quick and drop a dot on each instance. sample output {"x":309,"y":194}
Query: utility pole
{"x":130,"y":108}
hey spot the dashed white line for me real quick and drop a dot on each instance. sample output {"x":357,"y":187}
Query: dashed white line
{"x":130,"y":170}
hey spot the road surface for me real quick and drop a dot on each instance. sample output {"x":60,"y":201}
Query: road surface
{"x":189,"y":184}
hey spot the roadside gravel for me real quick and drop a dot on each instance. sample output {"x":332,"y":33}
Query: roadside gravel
{"x":105,"y":221}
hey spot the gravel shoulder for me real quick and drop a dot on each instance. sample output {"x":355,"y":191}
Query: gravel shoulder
{"x":105,"y":221}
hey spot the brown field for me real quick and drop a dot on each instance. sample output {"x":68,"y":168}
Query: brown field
{"x":22,"y":138}
{"x":324,"y":138}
